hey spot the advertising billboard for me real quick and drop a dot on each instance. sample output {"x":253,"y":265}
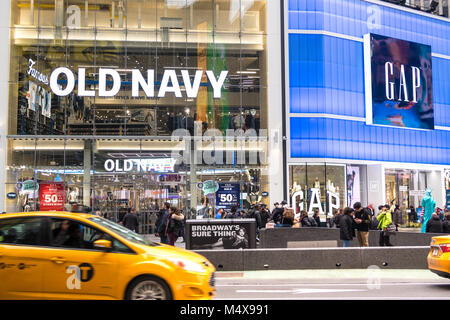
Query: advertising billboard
{"x":398,"y":79}
{"x":220,"y":234}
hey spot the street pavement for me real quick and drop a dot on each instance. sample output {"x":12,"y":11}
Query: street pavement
{"x":349,"y":284}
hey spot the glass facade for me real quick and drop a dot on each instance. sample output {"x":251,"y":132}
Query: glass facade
{"x":337,"y":185}
{"x":119,"y":151}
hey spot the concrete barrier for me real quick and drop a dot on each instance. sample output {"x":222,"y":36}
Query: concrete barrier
{"x":318,"y":258}
{"x":279,"y":237}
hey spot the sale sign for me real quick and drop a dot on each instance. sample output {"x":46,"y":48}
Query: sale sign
{"x":228,"y":195}
{"x":51,"y":196}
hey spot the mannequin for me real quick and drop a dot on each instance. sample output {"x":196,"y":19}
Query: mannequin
{"x":253,"y":197}
{"x":330,"y":186}
{"x":73,"y":196}
{"x":317,"y":183}
{"x":296,"y":187}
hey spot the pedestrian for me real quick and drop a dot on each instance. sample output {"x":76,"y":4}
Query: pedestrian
{"x":259,"y":224}
{"x":175,"y":225}
{"x":265,"y":215}
{"x":316,"y":217}
{"x":347,"y":227}
{"x":362,"y":219}
{"x":440,"y":213}
{"x":131,"y":221}
{"x":397,"y":217}
{"x":287,"y":219}
{"x":371,"y":210}
{"x":220,"y":213}
{"x":161,"y":223}
{"x":434,"y":225}
{"x":331,"y":219}
{"x":384,"y":222}
{"x":412,"y":215}
{"x":99,"y":213}
{"x":277,"y":214}
{"x":306,"y":220}
{"x":337,"y":219}
{"x":446,"y":224}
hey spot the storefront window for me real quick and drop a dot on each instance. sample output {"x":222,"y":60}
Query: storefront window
{"x":75,"y":139}
{"x":318,"y":186}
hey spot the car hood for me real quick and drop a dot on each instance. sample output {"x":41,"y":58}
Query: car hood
{"x":170,"y":252}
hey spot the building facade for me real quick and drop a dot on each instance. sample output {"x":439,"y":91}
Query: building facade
{"x":123,"y":104}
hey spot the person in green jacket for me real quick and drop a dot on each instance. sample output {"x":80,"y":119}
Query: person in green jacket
{"x":384,"y":220}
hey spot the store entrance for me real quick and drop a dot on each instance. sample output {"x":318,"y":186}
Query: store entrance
{"x":117,"y":194}
{"x":398,"y":185}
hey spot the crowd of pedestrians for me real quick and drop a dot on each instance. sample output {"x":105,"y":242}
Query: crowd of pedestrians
{"x":353,"y":222}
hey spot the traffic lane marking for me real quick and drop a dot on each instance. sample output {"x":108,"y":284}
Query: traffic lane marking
{"x":301,"y":291}
{"x":333,"y":284}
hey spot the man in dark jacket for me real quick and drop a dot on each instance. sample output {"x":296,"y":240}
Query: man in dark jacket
{"x":131,"y":221}
{"x":434,"y":225}
{"x":277,"y":214}
{"x":362,"y":219}
{"x":446,"y":224}
{"x":347,"y":227}
{"x":161,"y":224}
{"x":265,"y":215}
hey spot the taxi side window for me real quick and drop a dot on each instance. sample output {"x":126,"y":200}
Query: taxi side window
{"x":72,"y":234}
{"x":75,"y":235}
{"x":22,"y":231}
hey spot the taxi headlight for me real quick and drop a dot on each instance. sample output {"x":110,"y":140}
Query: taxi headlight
{"x":188,"y":265}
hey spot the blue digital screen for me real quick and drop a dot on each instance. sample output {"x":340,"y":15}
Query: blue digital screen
{"x":326,"y":76}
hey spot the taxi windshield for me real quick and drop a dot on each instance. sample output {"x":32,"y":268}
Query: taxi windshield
{"x":123,"y":232}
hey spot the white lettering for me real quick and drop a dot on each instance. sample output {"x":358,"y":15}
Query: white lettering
{"x":415,"y":81}
{"x":402,"y":84}
{"x":102,"y":92}
{"x":192,"y":89}
{"x":389,"y":84}
{"x":54,"y":81}
{"x":138,"y":80}
{"x":217,"y":84}
{"x":169,"y":75}
{"x":82,"y":92}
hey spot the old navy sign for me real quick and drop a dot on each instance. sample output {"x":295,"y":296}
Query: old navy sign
{"x":169,"y":83}
{"x":162,"y":165}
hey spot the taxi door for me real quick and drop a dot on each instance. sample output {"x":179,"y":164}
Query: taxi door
{"x":74,"y":268}
{"x":22,"y":258}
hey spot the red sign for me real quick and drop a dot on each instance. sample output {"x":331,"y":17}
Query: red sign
{"x":51,"y":196}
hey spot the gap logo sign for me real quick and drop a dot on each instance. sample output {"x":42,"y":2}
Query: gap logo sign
{"x":398,"y":82}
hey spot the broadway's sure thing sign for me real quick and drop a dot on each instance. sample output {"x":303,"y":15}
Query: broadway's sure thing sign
{"x":221,"y":234}
{"x":398,"y":81}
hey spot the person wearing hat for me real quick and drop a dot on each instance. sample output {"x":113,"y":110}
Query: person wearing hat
{"x":277,"y":213}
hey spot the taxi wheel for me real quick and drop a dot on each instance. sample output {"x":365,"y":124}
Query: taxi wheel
{"x":148,"y":288}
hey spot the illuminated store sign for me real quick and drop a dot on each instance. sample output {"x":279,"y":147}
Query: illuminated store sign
{"x":169,"y":83}
{"x":140,"y":165}
{"x":398,"y":82}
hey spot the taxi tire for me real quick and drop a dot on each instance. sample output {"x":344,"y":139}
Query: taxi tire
{"x":135,"y":282}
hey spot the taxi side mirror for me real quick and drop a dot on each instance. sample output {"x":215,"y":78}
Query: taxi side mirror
{"x":103,"y":244}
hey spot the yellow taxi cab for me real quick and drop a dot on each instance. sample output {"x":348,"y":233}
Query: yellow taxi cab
{"x":59,"y":255}
{"x":439,"y":256}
